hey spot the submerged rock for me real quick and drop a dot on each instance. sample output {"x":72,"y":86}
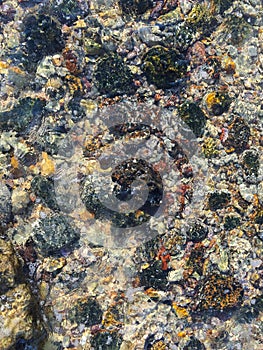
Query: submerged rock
{"x":218,"y":200}
{"x":154,"y":277}
{"x":68,"y":11}
{"x":218,"y":102}
{"x":9,"y":267}
{"x":163,"y":67}
{"x":42,"y":37}
{"x":87,"y":312}
{"x":135,"y":7}
{"x":27,"y":113}
{"x":5,"y":206}
{"x":53,"y":234}
{"x":106,"y":341}
{"x":238,"y":136}
{"x":114,"y":77}
{"x":219,"y":292}
{"x":194,"y":344}
{"x":19,"y":313}
{"x":44,"y":189}
{"x":250,"y":164}
{"x":194,"y":117}
{"x":197,"y":233}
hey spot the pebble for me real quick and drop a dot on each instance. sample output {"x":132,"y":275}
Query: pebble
{"x":5,"y":204}
{"x":248,"y":192}
{"x":147,"y":36}
{"x":20,"y":200}
{"x":186,"y":6}
{"x":252,"y":51}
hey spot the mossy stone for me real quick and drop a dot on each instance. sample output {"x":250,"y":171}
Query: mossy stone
{"x":87,"y":312}
{"x":154,"y":277}
{"x":53,"y":234}
{"x":43,"y":37}
{"x":10,"y":267}
{"x":218,"y":200}
{"x":250,"y":162}
{"x":106,"y":341}
{"x":135,"y":7}
{"x":183,"y":36}
{"x":236,"y":29}
{"x":27,"y":113}
{"x":114,"y":77}
{"x":200,"y":19}
{"x":164,"y":67}
{"x":219,"y":292}
{"x":231,"y":222}
{"x":44,"y":188}
{"x":5,"y":207}
{"x":68,"y":11}
{"x":238,"y":136}
{"x":197,"y":233}
{"x":209,"y":147}
{"x":194,"y":117}
{"x":194,"y":344}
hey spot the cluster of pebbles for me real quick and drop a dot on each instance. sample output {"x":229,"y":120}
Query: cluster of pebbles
{"x":79,"y":80}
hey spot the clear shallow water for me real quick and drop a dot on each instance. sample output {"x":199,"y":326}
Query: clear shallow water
{"x":88,"y":89}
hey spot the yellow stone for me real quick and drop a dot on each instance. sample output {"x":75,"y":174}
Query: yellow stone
{"x":47,"y":165}
{"x":16,"y":320}
{"x":3,"y":67}
{"x":80,"y":23}
{"x":14,"y":162}
{"x":181,"y":312}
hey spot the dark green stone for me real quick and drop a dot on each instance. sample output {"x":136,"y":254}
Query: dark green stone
{"x":135,"y":7}
{"x":237,"y":29}
{"x":154,"y":277}
{"x":106,"y":341}
{"x":231,"y":222}
{"x":197,"y":233}
{"x":194,"y":117}
{"x":239,"y":134}
{"x":68,"y":11}
{"x":54,"y":234}
{"x":44,"y":188}
{"x":42,"y":37}
{"x":27,"y":113}
{"x":251,"y":162}
{"x":218,"y":200}
{"x":183,"y":36}
{"x":114,"y":77}
{"x":88,"y":312}
{"x":194,"y":344}
{"x":164,"y":67}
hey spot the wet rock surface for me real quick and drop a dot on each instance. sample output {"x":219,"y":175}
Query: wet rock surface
{"x":20,"y":317}
{"x":80,"y":80}
{"x":53,"y":234}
